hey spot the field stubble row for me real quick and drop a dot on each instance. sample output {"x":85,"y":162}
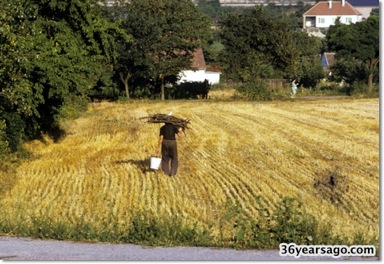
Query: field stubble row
{"x":324,"y":153}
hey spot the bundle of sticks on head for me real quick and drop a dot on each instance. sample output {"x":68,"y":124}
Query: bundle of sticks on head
{"x":168,"y":118}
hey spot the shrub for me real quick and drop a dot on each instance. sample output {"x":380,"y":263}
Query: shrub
{"x":292,"y":224}
{"x":289,"y":223}
{"x":256,"y":90}
{"x":165,"y":231}
{"x":12,"y":131}
{"x":4,"y":144}
{"x":72,"y":108}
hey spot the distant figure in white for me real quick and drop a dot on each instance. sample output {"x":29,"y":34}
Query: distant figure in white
{"x":293,"y":88}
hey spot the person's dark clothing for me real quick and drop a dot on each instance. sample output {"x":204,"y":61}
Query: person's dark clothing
{"x":169,"y":149}
{"x":168,"y":131}
{"x":169,"y":153}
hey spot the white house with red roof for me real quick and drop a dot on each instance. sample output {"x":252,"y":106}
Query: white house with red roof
{"x":199,"y":71}
{"x":325,"y":14}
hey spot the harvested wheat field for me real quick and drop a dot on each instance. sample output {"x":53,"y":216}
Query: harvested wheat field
{"x":324,"y":153}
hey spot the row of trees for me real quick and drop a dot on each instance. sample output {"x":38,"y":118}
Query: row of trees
{"x":54,"y":54}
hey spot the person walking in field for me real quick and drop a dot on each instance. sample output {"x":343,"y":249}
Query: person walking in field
{"x":293,"y":88}
{"x":168,"y":145}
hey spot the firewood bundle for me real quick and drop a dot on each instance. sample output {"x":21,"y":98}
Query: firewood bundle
{"x":168,"y":118}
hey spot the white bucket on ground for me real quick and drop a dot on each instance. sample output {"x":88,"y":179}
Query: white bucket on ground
{"x":155,"y":163}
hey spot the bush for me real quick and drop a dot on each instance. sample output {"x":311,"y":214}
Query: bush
{"x":292,"y":224}
{"x":257,"y":90}
{"x":165,"y":231}
{"x":4,"y":144}
{"x":289,"y":223}
{"x":12,"y":131}
{"x":72,"y":108}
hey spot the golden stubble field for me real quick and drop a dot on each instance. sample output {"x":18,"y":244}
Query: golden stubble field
{"x":325,"y":153}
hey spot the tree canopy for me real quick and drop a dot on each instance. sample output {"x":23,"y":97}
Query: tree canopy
{"x":165,"y":35}
{"x":259,"y":46}
{"x":52,"y":53}
{"x":357,"y":43}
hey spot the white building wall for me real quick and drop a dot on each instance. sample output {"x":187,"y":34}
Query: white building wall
{"x":213,"y":77}
{"x":326,"y":21}
{"x":199,"y":76}
{"x":192,"y":76}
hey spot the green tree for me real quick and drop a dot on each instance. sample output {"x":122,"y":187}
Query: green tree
{"x":165,"y":35}
{"x":309,"y":70}
{"x":52,"y":53}
{"x":357,"y":42}
{"x":4,"y":144}
{"x":257,"y":46}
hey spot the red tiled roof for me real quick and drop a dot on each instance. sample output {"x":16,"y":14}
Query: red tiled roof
{"x":213,"y":68}
{"x":198,"y":60}
{"x":337,"y":9}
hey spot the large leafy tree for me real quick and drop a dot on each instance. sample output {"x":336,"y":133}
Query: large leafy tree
{"x":257,"y":46}
{"x":52,"y":53}
{"x":356,"y":44}
{"x":309,"y":69}
{"x":165,"y":34}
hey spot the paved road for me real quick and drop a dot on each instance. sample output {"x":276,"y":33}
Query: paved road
{"x":13,"y":248}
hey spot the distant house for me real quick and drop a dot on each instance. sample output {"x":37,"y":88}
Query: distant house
{"x":325,"y":14}
{"x":364,"y":6}
{"x":199,"y":72}
{"x":249,"y":3}
{"x":327,"y":60}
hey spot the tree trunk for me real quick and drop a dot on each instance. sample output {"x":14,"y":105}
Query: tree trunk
{"x":370,"y":80}
{"x":162,"y":87}
{"x":125,"y":81}
{"x":371,"y":66}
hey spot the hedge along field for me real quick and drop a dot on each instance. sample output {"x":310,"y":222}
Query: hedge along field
{"x":323,"y":153}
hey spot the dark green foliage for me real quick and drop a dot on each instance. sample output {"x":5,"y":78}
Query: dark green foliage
{"x":308,"y":70}
{"x":292,"y":224}
{"x":259,"y":46}
{"x":166,"y":231}
{"x":349,"y":70}
{"x":52,"y":53}
{"x":164,"y":36}
{"x":257,"y":90}
{"x":4,"y":143}
{"x":253,"y":42}
{"x":288,"y":223}
{"x":355,"y":45}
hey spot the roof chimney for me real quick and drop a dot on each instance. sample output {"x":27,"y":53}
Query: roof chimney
{"x":343,"y":2}
{"x":330,"y":4}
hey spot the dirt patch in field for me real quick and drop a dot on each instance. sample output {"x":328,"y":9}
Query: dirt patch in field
{"x":332,"y":185}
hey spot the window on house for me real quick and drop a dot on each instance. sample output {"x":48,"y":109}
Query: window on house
{"x":321,"y":20}
{"x":348,"y":20}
